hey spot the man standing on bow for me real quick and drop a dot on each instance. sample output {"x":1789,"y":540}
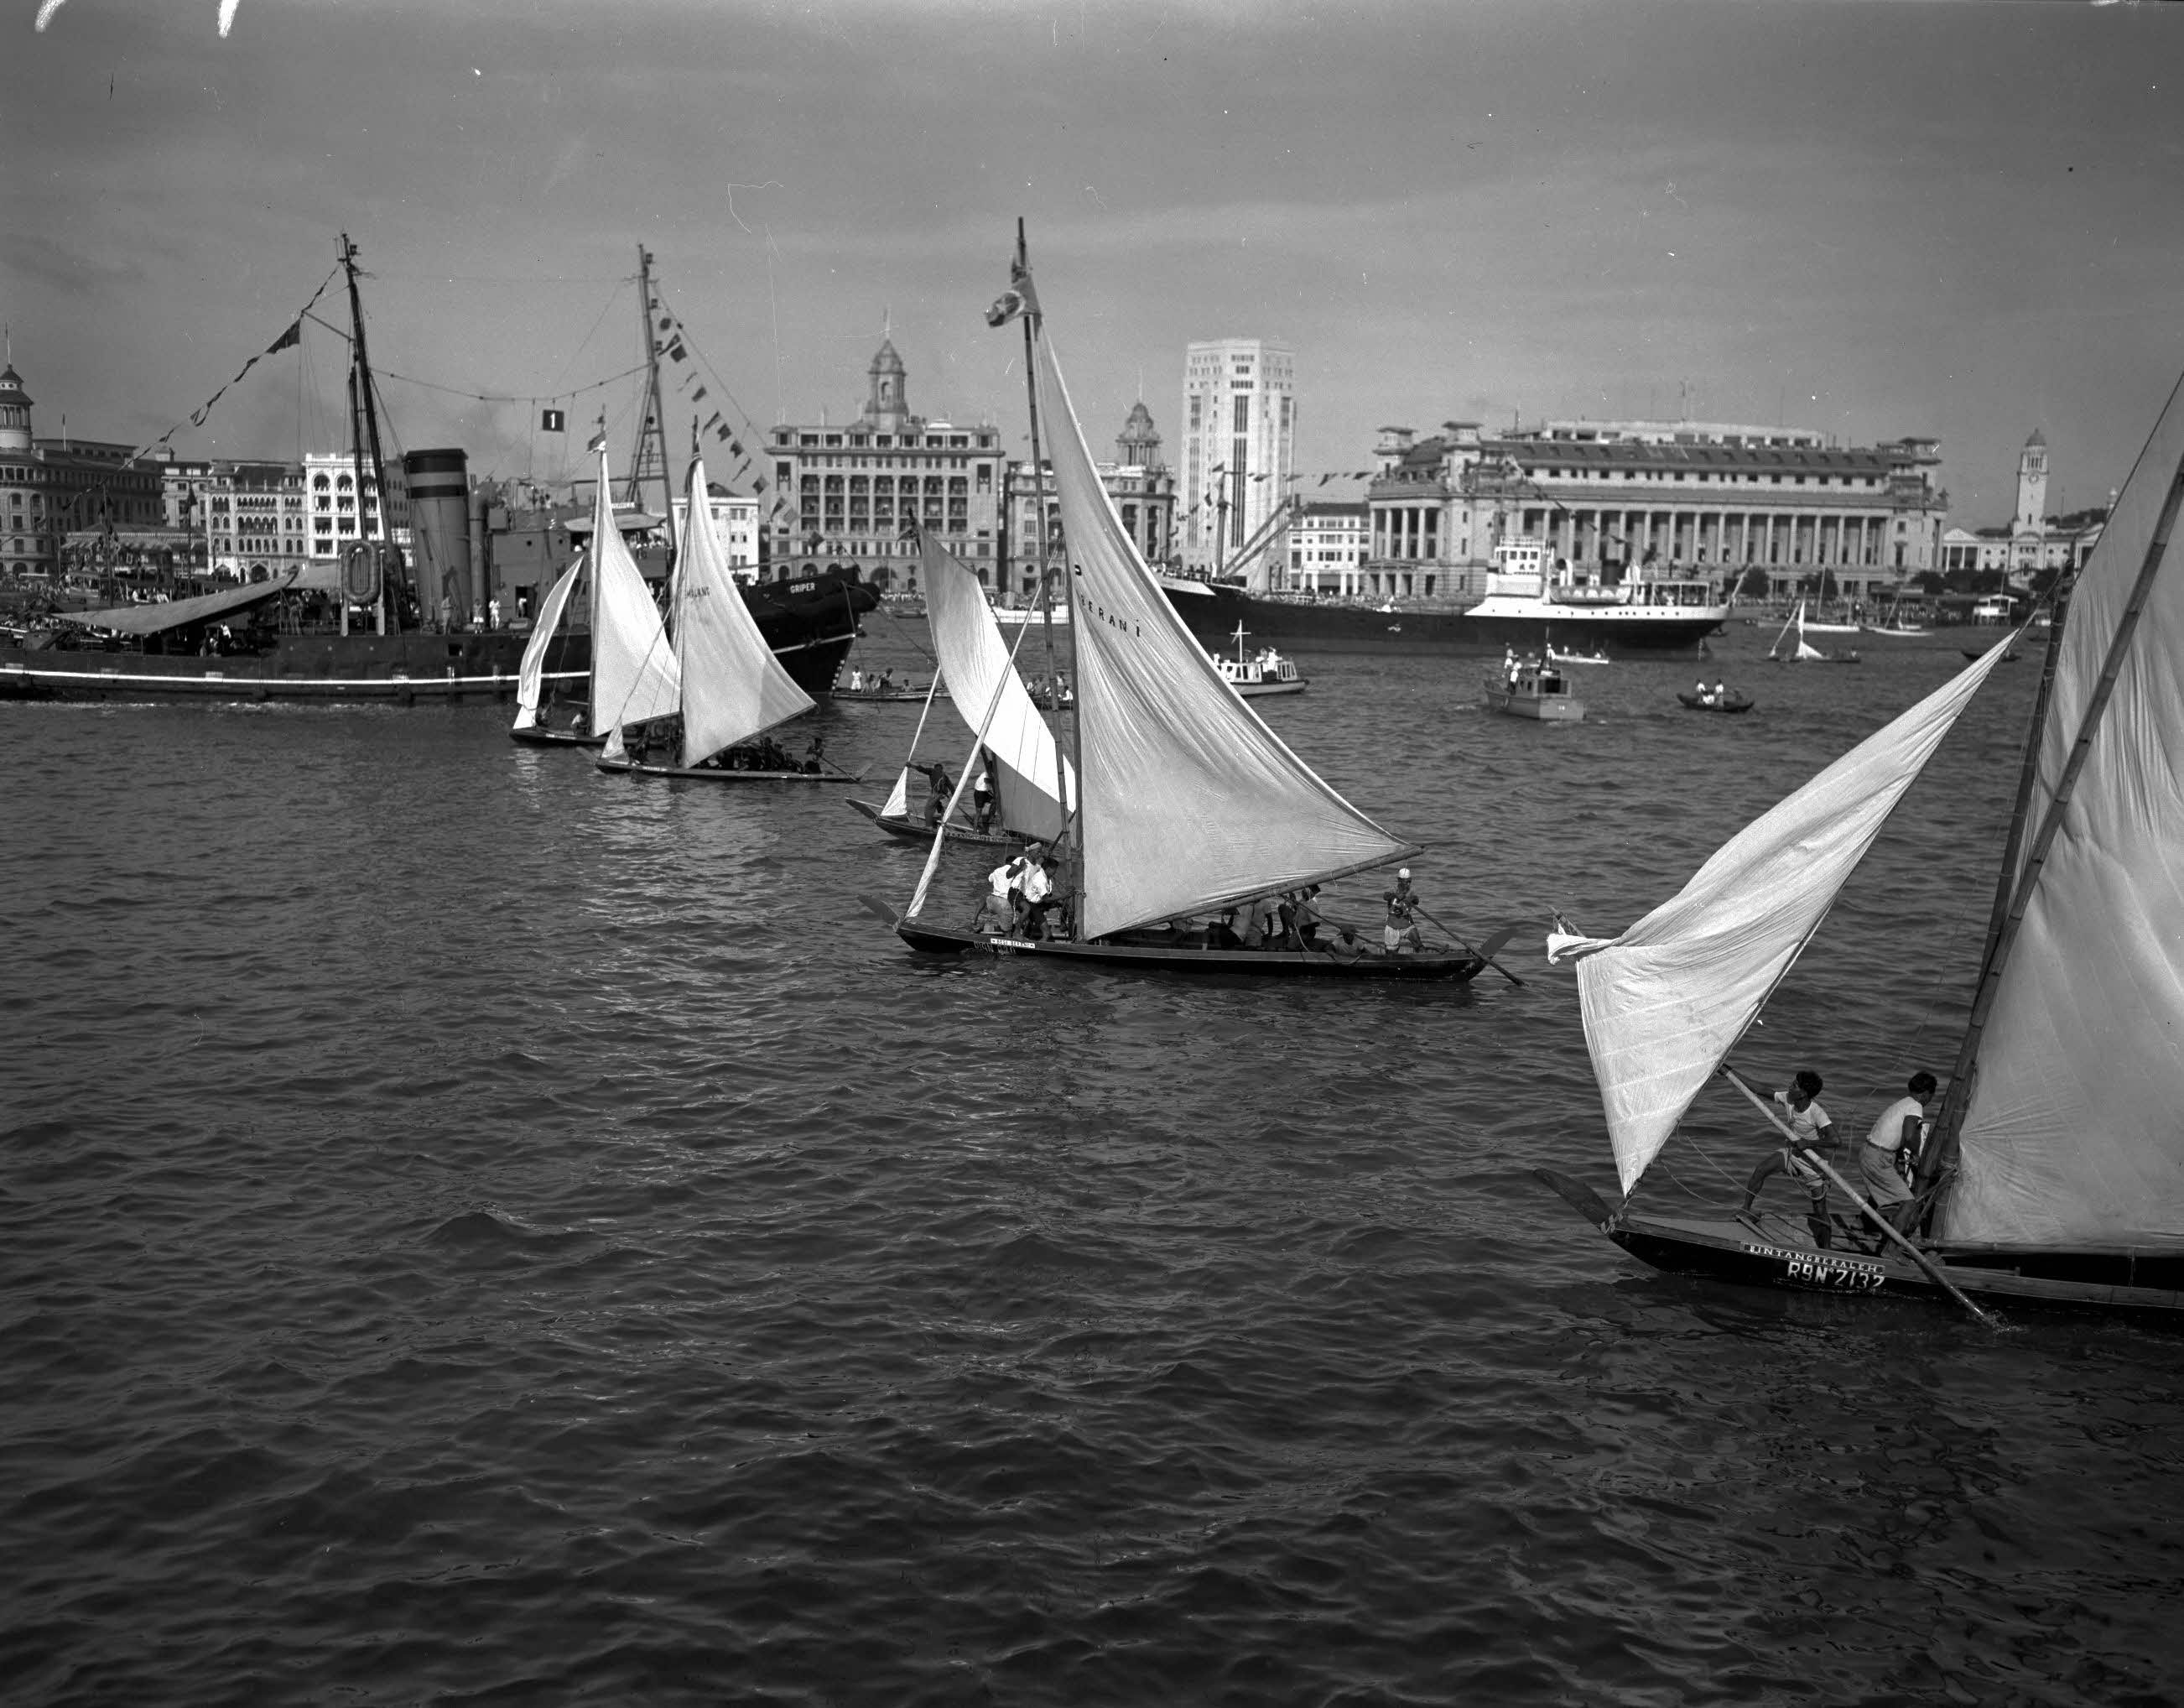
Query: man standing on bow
{"x":1401,"y":930}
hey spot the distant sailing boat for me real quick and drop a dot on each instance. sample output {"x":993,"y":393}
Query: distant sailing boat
{"x":2055,"y":1171}
{"x":1802,"y":651}
{"x":1190,"y":804}
{"x":701,"y":704}
{"x":1892,"y":621}
{"x":984,"y":689}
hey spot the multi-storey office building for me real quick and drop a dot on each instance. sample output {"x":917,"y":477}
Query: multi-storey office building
{"x":845,"y":491}
{"x":332,"y":486}
{"x":1327,"y":547}
{"x":1238,"y":445}
{"x":1651,"y":499}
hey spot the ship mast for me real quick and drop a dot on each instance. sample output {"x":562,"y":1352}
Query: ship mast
{"x":363,"y":435}
{"x":1073,"y":810}
{"x":650,"y":451}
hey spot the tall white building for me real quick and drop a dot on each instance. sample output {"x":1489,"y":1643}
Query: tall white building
{"x":1238,"y":445}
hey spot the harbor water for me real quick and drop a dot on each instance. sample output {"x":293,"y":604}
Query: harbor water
{"x":474,"y":1229}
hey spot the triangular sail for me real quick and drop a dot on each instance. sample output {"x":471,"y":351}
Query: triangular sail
{"x":1190,"y":802}
{"x":975,"y":661}
{"x":2073,"y":1135}
{"x":733,"y":685}
{"x":1664,"y":1002}
{"x":531,"y":674}
{"x":634,"y":674}
{"x":898,"y":801}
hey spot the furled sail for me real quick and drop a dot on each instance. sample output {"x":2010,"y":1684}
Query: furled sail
{"x":1190,"y":802}
{"x":733,"y":685}
{"x":1664,"y":1002}
{"x":975,"y":661}
{"x":634,"y":674}
{"x":2072,"y":1136}
{"x":531,"y":674}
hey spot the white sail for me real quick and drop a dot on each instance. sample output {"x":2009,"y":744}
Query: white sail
{"x":733,"y":685}
{"x":975,"y":661}
{"x":2073,"y":1135}
{"x":1664,"y":1002}
{"x":531,"y":674}
{"x":1190,"y":802}
{"x":634,"y":675}
{"x":898,"y":801}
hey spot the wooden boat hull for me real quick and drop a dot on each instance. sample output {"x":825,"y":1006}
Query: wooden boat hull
{"x":1691,"y":702}
{"x":853,"y":696}
{"x":538,"y":735}
{"x":707,"y":774}
{"x":917,"y":830}
{"x":1775,"y":1252}
{"x":1442,"y":966}
{"x":1267,"y":690}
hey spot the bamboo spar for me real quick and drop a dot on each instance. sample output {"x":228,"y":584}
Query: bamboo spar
{"x":1852,"y":1192}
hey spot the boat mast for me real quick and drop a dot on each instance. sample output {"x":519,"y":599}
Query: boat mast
{"x":364,"y":428}
{"x":651,"y":448}
{"x":1074,"y":810}
{"x":2018,"y":885}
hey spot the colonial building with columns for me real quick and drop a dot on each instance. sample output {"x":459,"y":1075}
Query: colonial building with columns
{"x":1650,"y":499}
{"x":844,"y":492}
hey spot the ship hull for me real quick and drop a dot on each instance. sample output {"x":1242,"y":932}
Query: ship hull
{"x":1212,"y":614}
{"x":810,"y":627}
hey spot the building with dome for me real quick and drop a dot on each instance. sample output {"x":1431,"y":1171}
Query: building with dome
{"x":51,"y":489}
{"x":1139,"y":481}
{"x":844,"y":491}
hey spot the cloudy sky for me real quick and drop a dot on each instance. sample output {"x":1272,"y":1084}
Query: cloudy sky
{"x":1868,"y":218}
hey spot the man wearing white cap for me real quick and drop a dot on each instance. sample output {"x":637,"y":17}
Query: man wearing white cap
{"x":1401,"y":931}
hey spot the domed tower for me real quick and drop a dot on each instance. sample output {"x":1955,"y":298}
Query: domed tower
{"x":887,"y":407}
{"x":2032,"y":484}
{"x":15,"y":414}
{"x":1138,"y":443}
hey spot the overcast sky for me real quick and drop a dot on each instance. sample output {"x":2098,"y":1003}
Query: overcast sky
{"x":1871,"y":220}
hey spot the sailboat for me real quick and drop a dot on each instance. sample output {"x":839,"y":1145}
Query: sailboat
{"x":1189,"y":804}
{"x":984,"y":688}
{"x":701,"y":703}
{"x":1892,"y":621}
{"x":1801,"y":651}
{"x":2054,"y":1173}
{"x":534,"y":699}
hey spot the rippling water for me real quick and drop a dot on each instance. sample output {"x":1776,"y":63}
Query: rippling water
{"x":478,"y":1230}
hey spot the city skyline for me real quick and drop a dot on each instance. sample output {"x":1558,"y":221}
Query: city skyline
{"x":1868,"y":220}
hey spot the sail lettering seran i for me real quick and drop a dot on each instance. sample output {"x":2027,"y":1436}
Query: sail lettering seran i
{"x":634,"y":675}
{"x":1664,"y":1002}
{"x":2074,"y":1135}
{"x":531,"y":674}
{"x":733,"y":685}
{"x":1190,"y":800}
{"x":975,"y":663}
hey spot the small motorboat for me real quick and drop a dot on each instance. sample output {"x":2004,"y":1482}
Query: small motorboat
{"x":1530,"y":688}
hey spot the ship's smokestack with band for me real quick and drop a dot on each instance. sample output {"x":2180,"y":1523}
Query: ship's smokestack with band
{"x":440,"y":530}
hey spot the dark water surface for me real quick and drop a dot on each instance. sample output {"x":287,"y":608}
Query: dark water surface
{"x":478,"y":1230}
